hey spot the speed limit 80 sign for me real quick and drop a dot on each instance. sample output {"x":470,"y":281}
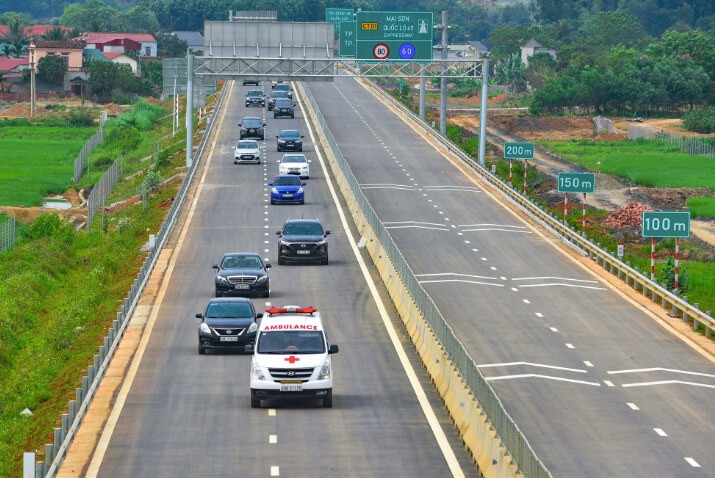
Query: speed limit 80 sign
{"x":381,"y":51}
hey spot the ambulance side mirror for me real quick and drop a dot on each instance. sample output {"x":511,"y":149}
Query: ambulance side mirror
{"x":333,"y":349}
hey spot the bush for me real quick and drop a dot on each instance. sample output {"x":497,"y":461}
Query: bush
{"x":125,"y":137}
{"x":667,"y":276}
{"x":152,"y":181}
{"x":700,"y":120}
{"x":80,"y":118}
{"x":47,"y":225}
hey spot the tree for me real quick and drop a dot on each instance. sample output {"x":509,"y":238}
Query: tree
{"x":55,"y":34}
{"x":103,"y":78}
{"x":139,"y":19}
{"x":690,"y":45}
{"x":170,"y":46}
{"x":91,"y":16}
{"x":542,"y":67}
{"x":51,"y":69}
{"x":15,"y":37}
{"x":510,"y":72}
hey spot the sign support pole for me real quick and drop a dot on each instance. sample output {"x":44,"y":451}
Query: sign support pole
{"x":566,"y":209}
{"x":677,"y":263}
{"x":510,"y":180}
{"x":583,"y":215}
{"x":652,"y":258}
{"x":525,"y":167}
{"x":189,"y":109}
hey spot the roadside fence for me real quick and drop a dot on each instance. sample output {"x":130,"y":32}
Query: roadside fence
{"x":687,"y":145}
{"x":81,"y":161}
{"x":102,"y":190}
{"x":7,"y":233}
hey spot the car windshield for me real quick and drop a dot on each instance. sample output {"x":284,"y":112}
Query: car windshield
{"x":291,"y":342}
{"x":290,"y":134}
{"x":254,"y":93}
{"x":279,"y":94}
{"x":284,"y":103}
{"x":283,"y":87}
{"x":303,"y":229}
{"x":241,"y":262}
{"x":247,"y":145}
{"x":294,"y":159}
{"x":252,"y":122}
{"x":229,"y":310}
{"x":287,"y":181}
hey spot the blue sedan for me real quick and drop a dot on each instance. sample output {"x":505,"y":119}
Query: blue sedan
{"x":287,"y":188}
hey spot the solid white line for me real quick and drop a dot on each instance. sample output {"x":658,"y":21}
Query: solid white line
{"x":415,"y":222}
{"x":460,"y":280}
{"x":275,"y":471}
{"x":495,"y":229}
{"x":667,"y":382}
{"x":406,"y":188}
{"x":531,"y":364}
{"x":418,"y":227}
{"x":466,"y":188}
{"x":609,"y":383}
{"x":558,"y":278}
{"x":429,"y":413}
{"x":659,"y":369}
{"x":110,"y":426}
{"x":489,"y":224}
{"x":562,"y":285}
{"x":454,"y":189}
{"x":633,"y":406}
{"x":660,"y":432}
{"x":272,"y":439}
{"x":548,"y":377}
{"x":692,"y":462}
{"x":386,"y":184}
{"x":454,"y":274}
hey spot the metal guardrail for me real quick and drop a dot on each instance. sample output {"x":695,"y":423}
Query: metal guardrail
{"x":8,"y":233}
{"x":63,"y":436}
{"x":81,"y":161}
{"x":679,"y":307}
{"x":513,"y":439}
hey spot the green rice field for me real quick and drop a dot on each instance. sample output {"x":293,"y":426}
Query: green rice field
{"x":702,"y":207}
{"x":37,"y":161}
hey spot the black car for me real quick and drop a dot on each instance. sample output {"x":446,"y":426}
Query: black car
{"x":252,"y":127}
{"x":250,"y":82}
{"x":302,"y":240}
{"x":255,"y":98}
{"x":227,"y":323}
{"x":283,"y":107}
{"x":242,"y":273}
{"x":274,"y":96}
{"x":290,"y":140}
{"x":284,"y":87}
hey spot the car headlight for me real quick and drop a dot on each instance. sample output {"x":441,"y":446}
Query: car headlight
{"x":274,"y":190}
{"x":300,"y":190}
{"x":324,"y":371}
{"x":252,"y":328}
{"x":261,"y":280}
{"x":281,"y":141}
{"x":321,"y":242}
{"x":221,"y":279}
{"x":205,"y":329}
{"x":257,"y":372}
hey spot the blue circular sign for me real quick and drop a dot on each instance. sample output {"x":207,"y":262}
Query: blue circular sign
{"x":407,"y":51}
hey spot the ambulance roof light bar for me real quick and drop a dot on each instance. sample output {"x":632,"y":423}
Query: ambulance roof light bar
{"x":291,"y":309}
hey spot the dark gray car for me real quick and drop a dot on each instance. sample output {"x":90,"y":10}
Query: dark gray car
{"x":241,"y":273}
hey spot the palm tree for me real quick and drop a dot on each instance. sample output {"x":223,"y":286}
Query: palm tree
{"x":55,"y":33}
{"x":14,"y":38}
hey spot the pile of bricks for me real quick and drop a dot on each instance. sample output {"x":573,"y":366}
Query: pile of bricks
{"x":627,"y":217}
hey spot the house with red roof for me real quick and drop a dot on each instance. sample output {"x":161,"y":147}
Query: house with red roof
{"x":34,"y":31}
{"x":71,"y":52}
{"x":144,"y":43}
{"x":123,"y":59}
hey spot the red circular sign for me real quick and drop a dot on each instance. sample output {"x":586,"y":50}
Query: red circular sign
{"x":381,"y":51}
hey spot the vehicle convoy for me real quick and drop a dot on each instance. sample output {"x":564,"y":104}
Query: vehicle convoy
{"x":291,"y":357}
{"x":228,"y":324}
{"x":252,"y":127}
{"x":287,"y":188}
{"x":294,"y":164}
{"x":247,"y":151}
{"x":289,"y":140}
{"x":241,"y":273}
{"x":302,"y":240}
{"x":255,"y":98}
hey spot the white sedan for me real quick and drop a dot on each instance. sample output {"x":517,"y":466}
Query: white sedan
{"x":294,"y":164}
{"x":247,"y":151}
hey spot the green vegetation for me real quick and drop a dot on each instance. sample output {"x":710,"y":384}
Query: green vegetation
{"x":59,"y":288}
{"x":37,"y":161}
{"x":701,"y":120}
{"x":702,"y":207}
{"x":648,"y":163}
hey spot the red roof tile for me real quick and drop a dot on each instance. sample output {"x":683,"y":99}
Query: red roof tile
{"x":102,"y":37}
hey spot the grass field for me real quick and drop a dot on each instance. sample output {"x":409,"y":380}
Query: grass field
{"x":36,"y":161}
{"x":702,"y":207}
{"x":646,"y":163}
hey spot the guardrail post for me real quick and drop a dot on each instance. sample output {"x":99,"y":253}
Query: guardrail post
{"x":696,"y":322}
{"x":49,"y":456}
{"x":65,"y":426}
{"x":708,"y":329}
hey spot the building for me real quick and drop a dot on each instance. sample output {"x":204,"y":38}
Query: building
{"x":143,"y":43}
{"x":71,"y":51}
{"x":194,"y":39}
{"x":123,"y":59}
{"x":478,"y":49}
{"x":533,"y":47}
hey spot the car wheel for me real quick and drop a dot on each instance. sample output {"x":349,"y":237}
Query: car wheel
{"x":292,"y":116}
{"x":218,"y":293}
{"x":328,"y":400}
{"x":275,"y":116}
{"x":267,"y":293}
{"x":202,"y":350}
{"x":255,"y":402}
{"x":325,"y":261}
{"x":302,"y":202}
{"x":281,"y":261}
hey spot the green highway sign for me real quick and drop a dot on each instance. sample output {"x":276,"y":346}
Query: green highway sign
{"x":518,"y":150}
{"x":394,"y":36}
{"x":666,"y":224}
{"x":346,"y":47}
{"x":577,"y":182}
{"x":338,"y":15}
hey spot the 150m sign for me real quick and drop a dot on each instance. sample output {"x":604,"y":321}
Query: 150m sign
{"x":577,"y":182}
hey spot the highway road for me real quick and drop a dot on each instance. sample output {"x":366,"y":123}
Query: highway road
{"x":598,"y":386}
{"x":189,"y":414}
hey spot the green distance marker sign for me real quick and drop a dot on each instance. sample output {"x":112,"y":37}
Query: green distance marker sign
{"x":665,"y":224}
{"x":518,"y":150}
{"x":577,"y":182}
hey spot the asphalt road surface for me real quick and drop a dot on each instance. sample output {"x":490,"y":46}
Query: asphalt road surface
{"x":599,"y":388}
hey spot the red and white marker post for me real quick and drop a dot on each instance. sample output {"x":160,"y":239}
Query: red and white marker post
{"x":677,"y":263}
{"x":525,"y":167}
{"x":583,"y":215}
{"x":566,"y":209}
{"x":652,"y":258}
{"x":510,"y":168}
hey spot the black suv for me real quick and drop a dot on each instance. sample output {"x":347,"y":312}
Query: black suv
{"x":252,"y":127}
{"x":283,"y":107}
{"x":255,"y":98}
{"x":242,"y":273}
{"x":228,"y":323}
{"x":302,"y":240}
{"x":274,"y":96}
{"x":289,"y":140}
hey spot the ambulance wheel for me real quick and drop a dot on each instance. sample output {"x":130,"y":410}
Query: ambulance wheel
{"x":328,"y":400}
{"x":255,"y":402}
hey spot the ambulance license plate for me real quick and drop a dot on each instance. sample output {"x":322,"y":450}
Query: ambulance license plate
{"x":291,"y":387}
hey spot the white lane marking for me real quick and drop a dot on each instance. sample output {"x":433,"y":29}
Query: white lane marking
{"x":660,"y":432}
{"x":526,"y":301}
{"x":554,"y":329}
{"x":461,"y":188}
{"x":484,"y":258}
{"x":587,"y":363}
{"x":692,"y":462}
{"x":455,"y":274}
{"x":447,"y":188}
{"x":111,"y":424}
{"x":609,"y":383}
{"x":460,"y":280}
{"x":491,"y":224}
{"x":475,"y":250}
{"x":557,"y":278}
{"x":467,"y":242}
{"x":539,"y":314}
{"x":515,"y":289}
{"x":563,"y":285}
{"x":659,"y":369}
{"x":495,"y":229}
{"x":493,"y":268}
{"x":531,"y":364}
{"x":271,"y":412}
{"x":667,"y":382}
{"x":440,"y":437}
{"x":272,"y":439}
{"x":275,"y":471}
{"x":570,"y":346}
{"x":414,"y":222}
{"x":547,"y":377}
{"x":418,"y":227}
{"x":503,"y":278}
{"x":401,"y":188}
{"x":632,"y":406}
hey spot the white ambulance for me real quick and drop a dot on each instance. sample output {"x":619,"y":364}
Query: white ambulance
{"x":291,"y":357}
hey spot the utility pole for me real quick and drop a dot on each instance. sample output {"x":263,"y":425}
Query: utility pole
{"x":483,"y":111}
{"x":33,"y":87}
{"x":189,"y":109}
{"x":443,"y":79}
